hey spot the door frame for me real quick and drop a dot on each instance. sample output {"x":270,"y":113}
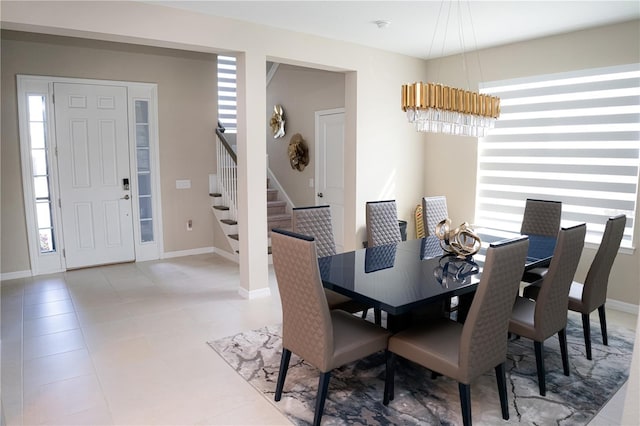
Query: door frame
{"x":46,"y":263}
{"x":319,"y":114}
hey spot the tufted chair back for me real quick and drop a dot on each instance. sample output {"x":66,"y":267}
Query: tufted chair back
{"x":315,"y":222}
{"x":483,"y":343}
{"x":541,"y":217}
{"x":553,"y":299}
{"x":382,"y":223}
{"x":434,"y":210}
{"x":306,"y":322}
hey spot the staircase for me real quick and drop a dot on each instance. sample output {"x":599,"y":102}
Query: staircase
{"x":224,"y":202}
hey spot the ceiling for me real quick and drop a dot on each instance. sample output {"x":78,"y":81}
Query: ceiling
{"x":413,"y":24}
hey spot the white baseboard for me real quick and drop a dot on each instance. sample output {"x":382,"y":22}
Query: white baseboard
{"x":191,"y":252}
{"x":255,"y":294}
{"x":229,"y":256}
{"x":15,"y":275}
{"x":617,"y":305}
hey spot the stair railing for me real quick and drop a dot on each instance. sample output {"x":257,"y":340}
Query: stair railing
{"x":227,"y":174}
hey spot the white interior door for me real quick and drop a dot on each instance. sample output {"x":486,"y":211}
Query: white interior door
{"x":93,"y":163}
{"x":330,"y":168}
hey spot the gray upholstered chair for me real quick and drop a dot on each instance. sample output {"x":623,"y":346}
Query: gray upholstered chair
{"x":382,"y":223}
{"x":541,"y":217}
{"x":315,"y":221}
{"x":540,"y":319}
{"x":465,"y":351}
{"x":434,"y":210}
{"x":323,"y":338}
{"x":586,"y":298}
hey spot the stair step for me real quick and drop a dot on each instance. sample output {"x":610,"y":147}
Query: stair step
{"x":276,"y":207}
{"x":272,"y":194}
{"x":234,"y":237}
{"x":215,"y":194}
{"x":229,"y":222}
{"x":221,"y":207}
{"x":278,"y":216}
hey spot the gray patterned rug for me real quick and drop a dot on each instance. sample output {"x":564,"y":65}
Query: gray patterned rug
{"x":355,"y":390}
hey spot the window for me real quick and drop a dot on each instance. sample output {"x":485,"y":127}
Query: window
{"x":571,"y":137}
{"x":37,"y":129}
{"x":143,"y":168}
{"x":227,"y":93}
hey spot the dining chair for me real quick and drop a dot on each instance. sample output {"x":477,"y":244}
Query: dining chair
{"x":315,"y":221}
{"x":465,"y":351}
{"x":586,"y":298}
{"x":547,"y":315}
{"x":434,"y":210}
{"x":324,"y":338}
{"x":382,"y":223}
{"x":541,"y":217}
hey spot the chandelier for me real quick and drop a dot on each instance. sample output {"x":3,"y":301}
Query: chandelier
{"x":436,"y":108}
{"x":441,"y":109}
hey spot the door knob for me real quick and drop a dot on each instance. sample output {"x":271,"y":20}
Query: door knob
{"x":126,"y":197}
{"x":320,"y":195}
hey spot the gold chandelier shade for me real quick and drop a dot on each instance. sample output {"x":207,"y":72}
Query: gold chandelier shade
{"x":436,"y":108}
{"x":430,"y":95}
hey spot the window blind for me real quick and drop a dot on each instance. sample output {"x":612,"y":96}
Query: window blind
{"x":227,"y":93}
{"x":571,"y":137}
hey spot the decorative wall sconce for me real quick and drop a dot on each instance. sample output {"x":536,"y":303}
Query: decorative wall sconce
{"x":277,"y":122}
{"x":298,"y":152}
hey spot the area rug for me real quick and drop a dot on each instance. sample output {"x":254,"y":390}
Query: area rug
{"x":356,"y":390}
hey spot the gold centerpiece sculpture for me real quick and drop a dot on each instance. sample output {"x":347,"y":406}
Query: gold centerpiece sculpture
{"x":462,"y":241}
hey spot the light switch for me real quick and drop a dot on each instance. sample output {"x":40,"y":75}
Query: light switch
{"x":183,"y":184}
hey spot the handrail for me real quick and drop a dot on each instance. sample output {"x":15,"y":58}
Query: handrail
{"x":220,"y":133}
{"x":227,"y":174}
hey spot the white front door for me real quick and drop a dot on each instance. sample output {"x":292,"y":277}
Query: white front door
{"x":330,"y":168}
{"x":93,"y":163}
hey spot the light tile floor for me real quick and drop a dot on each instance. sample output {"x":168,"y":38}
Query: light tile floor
{"x":125,"y":344}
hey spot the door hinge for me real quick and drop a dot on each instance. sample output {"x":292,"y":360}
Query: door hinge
{"x":64,"y":253}
{"x":59,"y":203}
{"x":53,"y":98}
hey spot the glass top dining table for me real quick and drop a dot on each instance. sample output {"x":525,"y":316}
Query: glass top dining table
{"x":401,"y":277}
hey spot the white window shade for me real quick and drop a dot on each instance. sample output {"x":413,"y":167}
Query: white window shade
{"x":571,"y":137}
{"x":227,"y":93}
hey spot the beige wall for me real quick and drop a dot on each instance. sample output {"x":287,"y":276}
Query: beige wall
{"x":457,"y":157}
{"x":187,"y":117}
{"x":301,"y":92}
{"x":385,"y":155}
{"x":387,"y":158}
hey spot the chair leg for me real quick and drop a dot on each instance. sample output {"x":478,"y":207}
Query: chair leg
{"x":562,"y":336}
{"x":364,"y":313}
{"x":539,"y":348}
{"x":603,"y":325}
{"x":465,"y":403}
{"x":378,"y":316}
{"x":284,"y":366}
{"x":323,"y":387}
{"x":502,"y":390}
{"x":389,"y":384}
{"x":586,"y":329}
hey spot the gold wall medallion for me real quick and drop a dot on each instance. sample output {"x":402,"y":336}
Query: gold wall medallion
{"x":277,"y":121}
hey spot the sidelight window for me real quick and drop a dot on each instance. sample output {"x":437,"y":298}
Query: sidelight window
{"x":37,"y":129}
